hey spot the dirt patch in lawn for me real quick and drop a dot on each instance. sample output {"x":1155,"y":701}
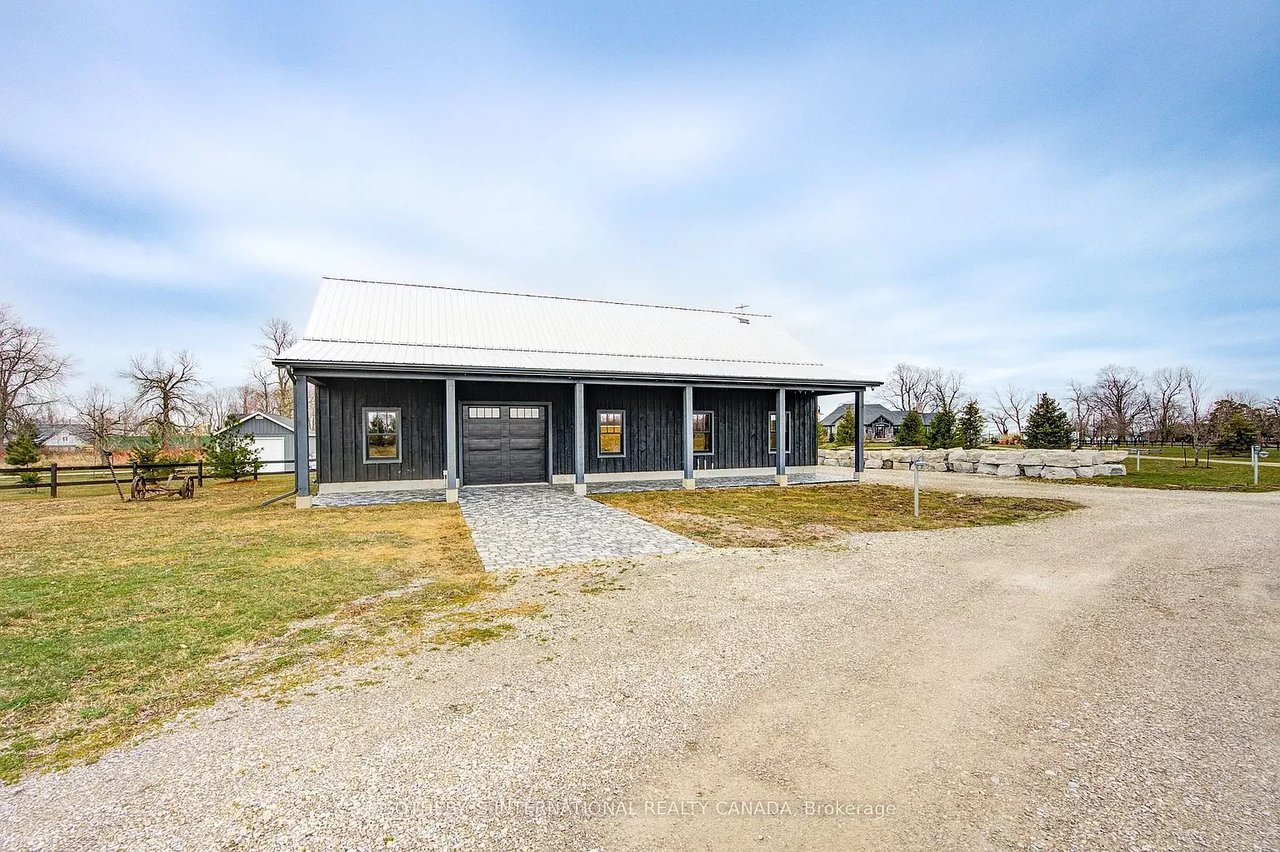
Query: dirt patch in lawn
{"x":815,"y":515}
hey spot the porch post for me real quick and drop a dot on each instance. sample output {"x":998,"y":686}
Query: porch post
{"x":859,"y":427}
{"x":780,"y":439}
{"x":451,"y":440}
{"x":688,"y":436}
{"x":579,"y":440}
{"x":301,"y":443}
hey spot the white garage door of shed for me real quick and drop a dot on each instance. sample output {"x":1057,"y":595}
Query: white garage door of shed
{"x":271,"y":450}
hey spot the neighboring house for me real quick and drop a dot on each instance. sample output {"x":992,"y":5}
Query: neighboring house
{"x":879,"y":423}
{"x":422,"y":386}
{"x":62,"y":435}
{"x":272,"y":440}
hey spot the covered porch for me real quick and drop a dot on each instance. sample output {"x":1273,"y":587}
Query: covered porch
{"x":450,"y":432}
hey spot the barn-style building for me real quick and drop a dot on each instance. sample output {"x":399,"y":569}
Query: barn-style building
{"x":423,"y":386}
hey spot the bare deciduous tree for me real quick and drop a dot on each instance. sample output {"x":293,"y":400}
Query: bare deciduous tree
{"x":262,"y":379}
{"x":277,"y":336}
{"x":216,"y":404}
{"x":1196,"y":385}
{"x":906,"y":387}
{"x":101,"y":417}
{"x":1119,"y":393}
{"x":31,"y":371}
{"x":1084,"y":410}
{"x":166,"y":391}
{"x":1011,"y":404}
{"x":1165,"y":401}
{"x":943,"y":387}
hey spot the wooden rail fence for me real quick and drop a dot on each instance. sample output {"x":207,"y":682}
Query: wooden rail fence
{"x":55,"y":476}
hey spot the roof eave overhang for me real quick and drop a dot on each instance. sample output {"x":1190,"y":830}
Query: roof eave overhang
{"x":336,"y":369}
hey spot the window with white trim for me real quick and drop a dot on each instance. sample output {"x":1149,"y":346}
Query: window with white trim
{"x":610,"y":440}
{"x":483,"y":412}
{"x":704,"y":442}
{"x":381,"y":435}
{"x":532,"y":413}
{"x":773,"y":431}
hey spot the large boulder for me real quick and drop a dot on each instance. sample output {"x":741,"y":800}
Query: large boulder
{"x":999,"y":457}
{"x":1060,"y":458}
{"x":963,"y":466}
{"x":1112,"y":470}
{"x":989,"y":469}
{"x":1035,"y":458}
{"x":1114,"y":456}
{"x":1059,"y":473}
{"x":1008,"y":470}
{"x":1086,"y":471}
{"x":1032,"y":469}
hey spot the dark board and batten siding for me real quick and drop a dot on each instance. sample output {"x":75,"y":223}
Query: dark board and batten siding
{"x":652,"y":426}
{"x":740,"y":420}
{"x":340,"y":432}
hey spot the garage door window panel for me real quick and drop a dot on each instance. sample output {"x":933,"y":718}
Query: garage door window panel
{"x":381,"y":435}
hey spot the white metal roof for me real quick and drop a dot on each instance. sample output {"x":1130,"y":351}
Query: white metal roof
{"x":367,"y":324}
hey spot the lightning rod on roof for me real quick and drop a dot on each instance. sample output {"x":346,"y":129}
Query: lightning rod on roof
{"x":741,"y":308}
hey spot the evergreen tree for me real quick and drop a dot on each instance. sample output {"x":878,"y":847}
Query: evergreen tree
{"x":911,"y":432}
{"x":1048,"y":427}
{"x":230,"y":453}
{"x":941,"y":433}
{"x":847,"y":428}
{"x":22,"y":450}
{"x":1237,"y":435}
{"x":970,"y":425}
{"x":147,"y":450}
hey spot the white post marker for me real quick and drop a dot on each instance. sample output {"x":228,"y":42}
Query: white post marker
{"x":1257,"y":453}
{"x":1138,"y":467}
{"x":915,"y":476}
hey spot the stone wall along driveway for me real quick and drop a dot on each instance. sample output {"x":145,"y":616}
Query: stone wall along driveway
{"x":1045,"y":464}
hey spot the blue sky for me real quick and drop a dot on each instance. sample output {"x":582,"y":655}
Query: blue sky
{"x":1023,"y":192}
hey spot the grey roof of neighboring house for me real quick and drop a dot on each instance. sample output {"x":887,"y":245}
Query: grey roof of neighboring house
{"x":274,"y":418}
{"x":47,"y":430}
{"x":872,"y":411}
{"x":416,"y":327}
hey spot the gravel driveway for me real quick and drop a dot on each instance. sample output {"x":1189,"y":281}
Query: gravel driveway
{"x":1105,"y":679}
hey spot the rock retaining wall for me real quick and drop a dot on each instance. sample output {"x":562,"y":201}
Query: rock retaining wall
{"x":1045,"y":464}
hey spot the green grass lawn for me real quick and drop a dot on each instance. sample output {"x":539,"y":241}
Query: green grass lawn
{"x":1170,"y":474}
{"x":817,"y":514}
{"x":115,"y":616}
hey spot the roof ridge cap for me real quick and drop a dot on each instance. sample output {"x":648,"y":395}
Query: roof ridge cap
{"x":545,"y":296}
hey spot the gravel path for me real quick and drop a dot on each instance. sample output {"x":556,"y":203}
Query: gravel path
{"x":1106,"y":679}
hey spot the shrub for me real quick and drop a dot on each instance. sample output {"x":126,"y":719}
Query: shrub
{"x":941,"y":433}
{"x":970,"y":425}
{"x":29,"y":477}
{"x":22,"y":450}
{"x":911,"y":432}
{"x":847,"y":428}
{"x":230,"y":453}
{"x":1048,"y":427}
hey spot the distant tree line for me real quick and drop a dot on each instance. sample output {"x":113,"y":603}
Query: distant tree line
{"x":166,"y":403}
{"x":1121,"y":406}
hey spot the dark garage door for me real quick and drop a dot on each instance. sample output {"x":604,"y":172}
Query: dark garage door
{"x":504,"y":443}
